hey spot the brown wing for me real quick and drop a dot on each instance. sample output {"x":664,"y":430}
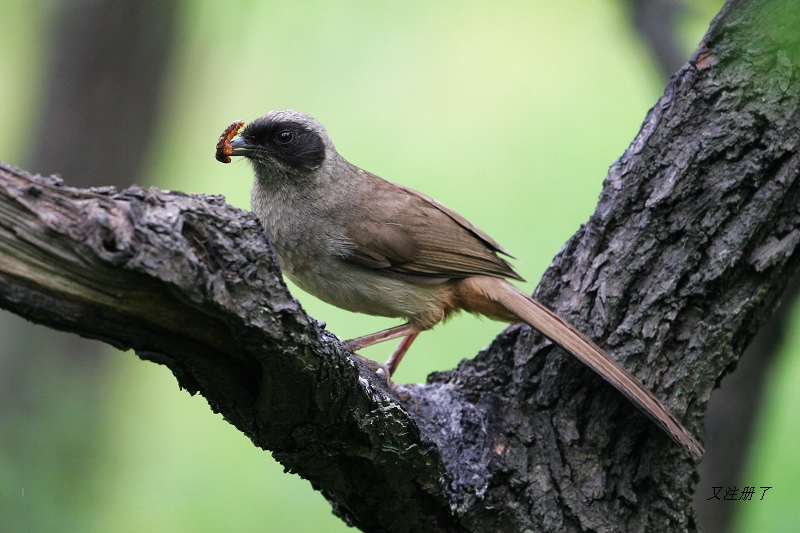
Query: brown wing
{"x":417,"y":238}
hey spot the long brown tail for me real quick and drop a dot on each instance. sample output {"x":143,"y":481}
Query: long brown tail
{"x":562,"y":333}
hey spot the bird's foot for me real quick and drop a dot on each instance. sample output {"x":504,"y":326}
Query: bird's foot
{"x":382,"y":371}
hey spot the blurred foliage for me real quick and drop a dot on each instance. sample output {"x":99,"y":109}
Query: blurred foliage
{"x":21,"y":61}
{"x":508,"y":112}
{"x":775,"y":458}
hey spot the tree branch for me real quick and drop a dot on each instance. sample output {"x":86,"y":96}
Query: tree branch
{"x":690,"y":247}
{"x":190,"y":282}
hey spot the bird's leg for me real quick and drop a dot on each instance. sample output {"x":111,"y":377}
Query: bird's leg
{"x":407,"y":331}
{"x":380,"y":370}
{"x":394,"y":360}
{"x":358,"y":343}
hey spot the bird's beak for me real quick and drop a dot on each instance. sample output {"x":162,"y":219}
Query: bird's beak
{"x":242,"y":148}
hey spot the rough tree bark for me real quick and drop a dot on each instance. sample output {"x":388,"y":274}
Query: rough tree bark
{"x":692,"y":242}
{"x":733,"y":410}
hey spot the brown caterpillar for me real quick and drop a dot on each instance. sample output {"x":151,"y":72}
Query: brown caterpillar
{"x":224,"y":149}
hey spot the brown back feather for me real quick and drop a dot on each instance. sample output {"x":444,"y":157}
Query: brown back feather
{"x":417,"y":238}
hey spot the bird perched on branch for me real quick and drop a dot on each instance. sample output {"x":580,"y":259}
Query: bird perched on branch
{"x":371,"y":246}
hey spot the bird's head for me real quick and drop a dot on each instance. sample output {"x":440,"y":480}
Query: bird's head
{"x":284,"y":143}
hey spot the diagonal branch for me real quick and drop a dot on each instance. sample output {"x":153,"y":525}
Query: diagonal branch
{"x":190,"y":282}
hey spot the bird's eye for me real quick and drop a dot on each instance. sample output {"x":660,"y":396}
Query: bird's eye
{"x":284,"y":137}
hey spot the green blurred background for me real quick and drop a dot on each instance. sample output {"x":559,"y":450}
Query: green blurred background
{"x":508,"y":112}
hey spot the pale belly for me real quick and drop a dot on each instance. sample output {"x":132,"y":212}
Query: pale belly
{"x":361,"y":290}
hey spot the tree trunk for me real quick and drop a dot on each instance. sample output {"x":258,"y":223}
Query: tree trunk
{"x":691,"y":245}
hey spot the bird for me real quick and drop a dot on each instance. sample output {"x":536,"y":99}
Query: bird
{"x":372,"y":246}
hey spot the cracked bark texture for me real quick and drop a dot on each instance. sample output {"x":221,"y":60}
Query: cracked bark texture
{"x":691,"y":245}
